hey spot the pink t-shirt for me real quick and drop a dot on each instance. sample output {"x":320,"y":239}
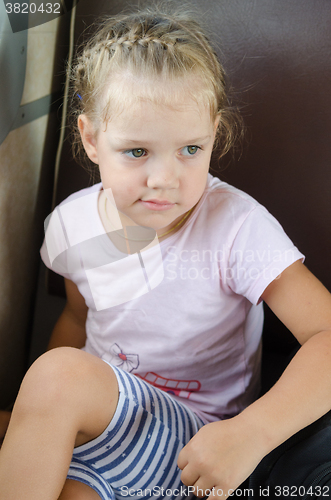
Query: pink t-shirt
{"x":184,"y":314}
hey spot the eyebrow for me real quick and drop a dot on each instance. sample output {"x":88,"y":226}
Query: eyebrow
{"x":121,"y":140}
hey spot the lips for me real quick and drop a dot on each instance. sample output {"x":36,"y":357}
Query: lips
{"x":157,"y":204}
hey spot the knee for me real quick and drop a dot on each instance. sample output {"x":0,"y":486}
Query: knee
{"x":58,"y":379}
{"x":70,"y":388}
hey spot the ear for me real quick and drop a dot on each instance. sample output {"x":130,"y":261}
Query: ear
{"x":88,"y":136}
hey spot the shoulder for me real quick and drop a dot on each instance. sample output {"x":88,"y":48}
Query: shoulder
{"x":225,"y":211}
{"x":79,"y":215}
{"x":223,"y":203}
{"x":83,"y":197}
{"x":238,"y":212}
{"x":74,"y":220}
{"x":238,"y":221}
{"x":80,"y":210}
{"x":221,"y":193}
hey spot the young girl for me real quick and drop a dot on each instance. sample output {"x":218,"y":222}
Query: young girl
{"x":161,"y":396}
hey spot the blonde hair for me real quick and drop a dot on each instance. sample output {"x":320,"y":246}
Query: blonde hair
{"x":152,"y":43}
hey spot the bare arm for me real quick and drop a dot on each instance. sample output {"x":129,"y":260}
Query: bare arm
{"x":223,"y":454}
{"x":70,"y":327}
{"x":304,"y":391}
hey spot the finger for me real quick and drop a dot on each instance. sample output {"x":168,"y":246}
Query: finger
{"x":219,"y":492}
{"x":189,"y":476}
{"x":182,"y":460}
{"x":202,"y":489}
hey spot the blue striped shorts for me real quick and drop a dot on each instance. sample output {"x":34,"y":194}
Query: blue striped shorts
{"x":136,"y":456}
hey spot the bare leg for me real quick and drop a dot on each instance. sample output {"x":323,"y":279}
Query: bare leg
{"x":67,"y":398}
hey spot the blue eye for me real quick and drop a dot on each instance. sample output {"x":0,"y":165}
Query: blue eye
{"x":191,"y":150}
{"x":135,"y":153}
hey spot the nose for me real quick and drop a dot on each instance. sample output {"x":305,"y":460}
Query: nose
{"x":163,"y":173}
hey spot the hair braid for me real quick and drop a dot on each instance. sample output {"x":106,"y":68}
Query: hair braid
{"x":150,"y":43}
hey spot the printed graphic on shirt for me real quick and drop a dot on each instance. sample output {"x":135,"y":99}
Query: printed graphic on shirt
{"x":127,"y":262}
{"x":182,"y":388}
{"x":117,"y":357}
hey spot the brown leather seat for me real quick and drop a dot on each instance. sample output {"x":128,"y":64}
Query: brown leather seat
{"x":278,"y":59}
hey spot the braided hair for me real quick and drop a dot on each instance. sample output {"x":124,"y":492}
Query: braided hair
{"x":150,"y":44}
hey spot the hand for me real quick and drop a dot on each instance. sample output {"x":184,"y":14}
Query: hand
{"x":220,"y":457}
{"x":4,"y":422}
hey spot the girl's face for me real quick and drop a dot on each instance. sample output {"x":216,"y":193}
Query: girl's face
{"x":155,"y":159}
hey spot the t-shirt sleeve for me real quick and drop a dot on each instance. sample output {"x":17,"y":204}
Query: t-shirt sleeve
{"x":260,"y":252}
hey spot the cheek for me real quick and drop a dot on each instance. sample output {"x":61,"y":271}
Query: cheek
{"x":123,"y":193}
{"x":111,"y":179}
{"x":197,"y":182}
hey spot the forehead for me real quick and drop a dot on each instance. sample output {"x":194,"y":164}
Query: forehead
{"x":129,"y":93}
{"x":163,"y":124}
